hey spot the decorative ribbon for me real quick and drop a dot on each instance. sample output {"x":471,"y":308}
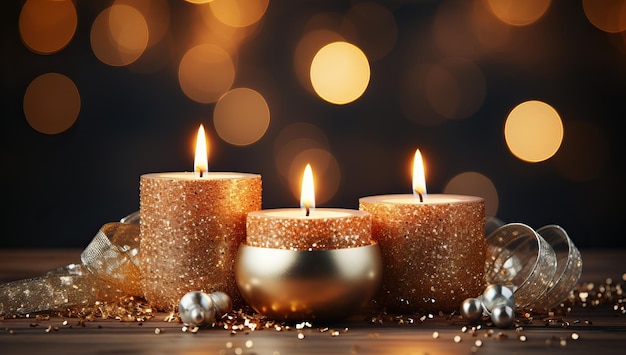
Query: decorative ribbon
{"x":108,"y":272}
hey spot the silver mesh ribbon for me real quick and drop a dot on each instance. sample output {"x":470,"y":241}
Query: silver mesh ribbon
{"x":108,"y":272}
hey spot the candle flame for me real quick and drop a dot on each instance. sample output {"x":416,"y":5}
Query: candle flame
{"x":307,"y":195}
{"x":201,"y":161}
{"x":419,"y":177}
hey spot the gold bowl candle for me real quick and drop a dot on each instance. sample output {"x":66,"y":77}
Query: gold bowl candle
{"x":191,"y":226}
{"x":433,"y":247}
{"x":325,"y":285}
{"x":305,"y":264}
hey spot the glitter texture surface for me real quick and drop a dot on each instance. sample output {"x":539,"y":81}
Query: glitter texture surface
{"x":279,"y":229}
{"x":190,"y":231}
{"x":433,"y":253}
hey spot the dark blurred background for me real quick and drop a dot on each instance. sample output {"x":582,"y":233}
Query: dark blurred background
{"x":444,"y":77}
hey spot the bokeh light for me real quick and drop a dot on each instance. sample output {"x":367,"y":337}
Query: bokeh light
{"x":374,"y":27}
{"x":156,"y":13}
{"x":455,"y":88}
{"x":453,"y":29}
{"x":159,"y":51}
{"x":212,"y":30}
{"x":239,"y":13}
{"x":340,"y":73}
{"x":119,"y":35}
{"x":241,"y":116}
{"x":413,"y":98}
{"x":607,"y":15}
{"x":325,"y":170}
{"x":475,"y":184}
{"x":294,"y":139}
{"x":519,"y":13}
{"x":47,"y":26}
{"x":585,"y":152}
{"x":206,"y":72}
{"x":305,"y":51}
{"x":533,"y":131}
{"x":51,"y":103}
{"x":491,"y":33}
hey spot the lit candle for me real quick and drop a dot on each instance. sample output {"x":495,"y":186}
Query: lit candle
{"x":308,"y":228}
{"x":433,"y":247}
{"x":308,"y":263}
{"x":191,"y":226}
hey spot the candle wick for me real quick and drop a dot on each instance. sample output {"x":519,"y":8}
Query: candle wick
{"x":308,"y":210}
{"x":201,"y":172}
{"x":420,"y":196}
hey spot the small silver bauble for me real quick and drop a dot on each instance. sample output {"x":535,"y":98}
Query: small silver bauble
{"x":198,"y":308}
{"x":495,"y":295}
{"x":503,"y":315}
{"x":472,"y":309}
{"x":221,"y":302}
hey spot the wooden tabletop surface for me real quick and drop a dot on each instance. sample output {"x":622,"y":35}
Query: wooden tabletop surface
{"x":592,"y":329}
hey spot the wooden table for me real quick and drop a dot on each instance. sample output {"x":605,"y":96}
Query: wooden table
{"x":600,"y":329}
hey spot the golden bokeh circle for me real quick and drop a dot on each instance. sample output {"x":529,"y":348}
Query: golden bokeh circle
{"x":519,"y":13}
{"x":607,"y":15}
{"x":239,"y":13}
{"x":475,"y":184}
{"x":533,"y":131}
{"x":241,"y":116}
{"x":340,"y":73}
{"x":119,"y":35}
{"x":47,"y":27}
{"x":51,"y":103}
{"x":205,"y":73}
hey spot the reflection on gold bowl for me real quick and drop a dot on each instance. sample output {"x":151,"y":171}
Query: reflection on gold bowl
{"x":308,"y":285}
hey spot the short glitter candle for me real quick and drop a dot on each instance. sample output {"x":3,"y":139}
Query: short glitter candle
{"x":191,"y":226}
{"x":328,"y":228}
{"x":433,"y":247}
{"x":308,"y":263}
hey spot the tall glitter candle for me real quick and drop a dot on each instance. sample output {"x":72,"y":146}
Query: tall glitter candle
{"x":191,"y":226}
{"x":433,"y":247}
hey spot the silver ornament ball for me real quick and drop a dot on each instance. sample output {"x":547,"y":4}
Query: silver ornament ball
{"x":472,"y":309}
{"x":222,"y":303}
{"x":196,"y":308}
{"x":496,"y":295}
{"x":502,"y":316}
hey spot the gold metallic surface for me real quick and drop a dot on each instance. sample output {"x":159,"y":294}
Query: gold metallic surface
{"x":305,"y":285}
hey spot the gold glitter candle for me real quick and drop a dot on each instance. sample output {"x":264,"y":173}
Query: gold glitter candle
{"x":323,"y":229}
{"x":308,"y":263}
{"x":433,"y":247}
{"x":307,"y":228}
{"x":191,"y":226}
